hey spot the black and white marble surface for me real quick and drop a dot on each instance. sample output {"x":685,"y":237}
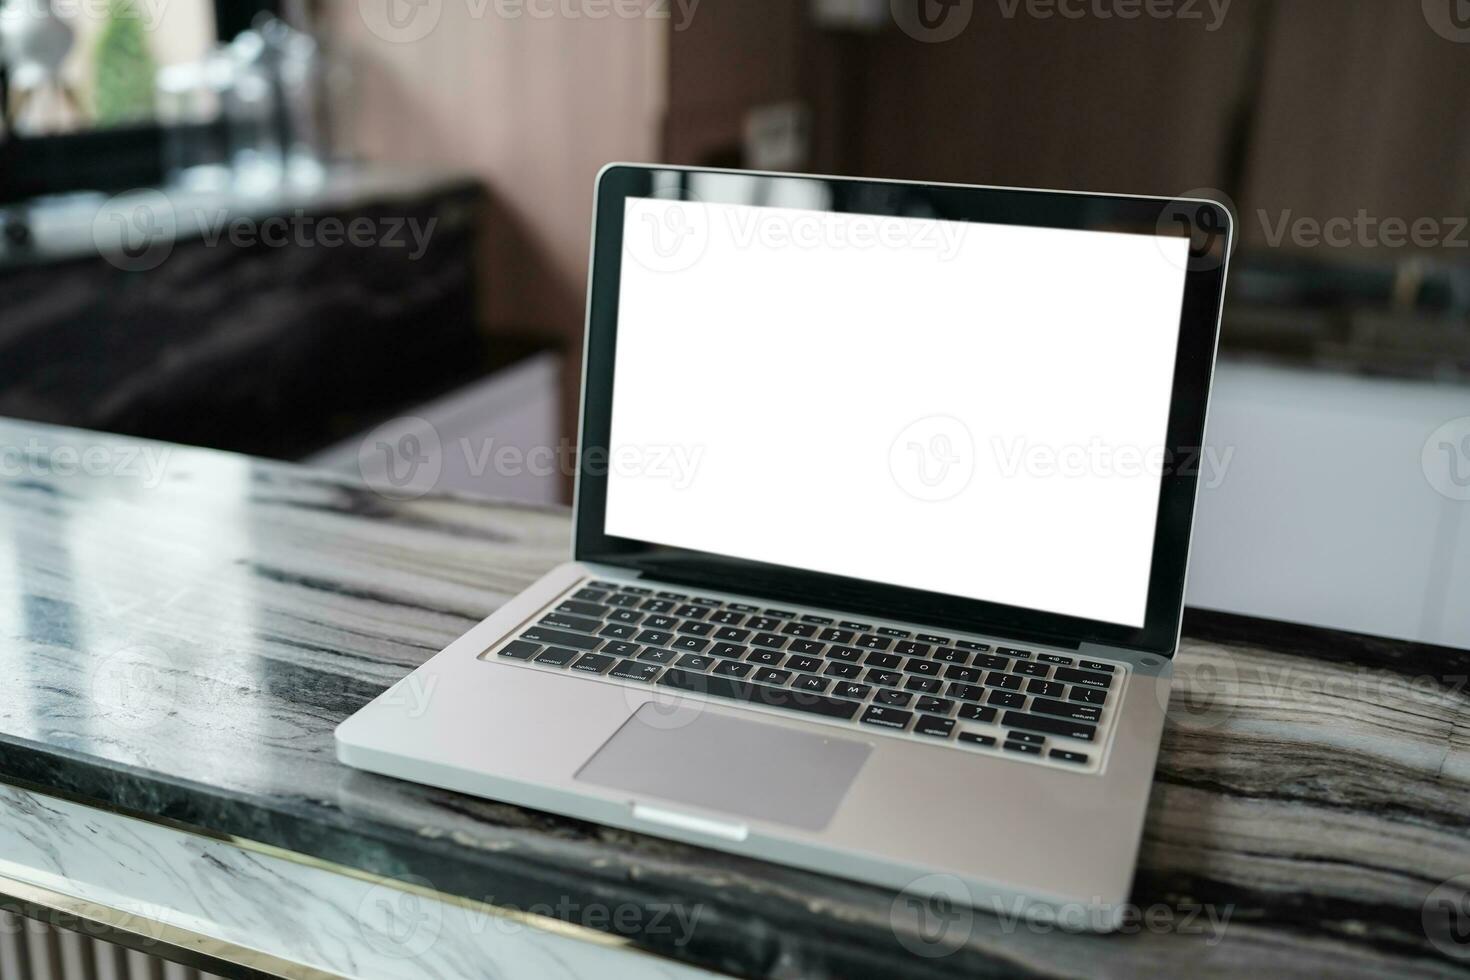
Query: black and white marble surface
{"x":181,"y":629}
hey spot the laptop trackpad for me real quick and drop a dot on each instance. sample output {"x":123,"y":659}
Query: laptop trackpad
{"x":730,"y":765}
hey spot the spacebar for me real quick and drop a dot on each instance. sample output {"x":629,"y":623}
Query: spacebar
{"x":775,"y":697}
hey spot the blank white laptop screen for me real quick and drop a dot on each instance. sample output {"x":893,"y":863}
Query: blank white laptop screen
{"x":971,"y":409}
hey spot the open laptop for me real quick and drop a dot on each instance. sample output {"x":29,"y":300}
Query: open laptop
{"x":882,"y":518}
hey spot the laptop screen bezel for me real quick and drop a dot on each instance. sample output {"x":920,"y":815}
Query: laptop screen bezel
{"x":1208,"y":224}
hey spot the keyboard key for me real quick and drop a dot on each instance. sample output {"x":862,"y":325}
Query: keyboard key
{"x":1031,"y":737}
{"x":520,"y":650}
{"x":540,"y":634}
{"x":775,"y":697}
{"x":732,"y":634}
{"x":742,"y":607}
{"x":563,"y":621}
{"x":1065,"y":756}
{"x":887,"y":717}
{"x":897,"y":699}
{"x":971,"y":645}
{"x":728,"y":617}
{"x":624,"y":616}
{"x":934,"y":727}
{"x":1066,"y":709}
{"x":933,"y":705}
{"x":834,"y":635}
{"x":672,"y":595}
{"x":931,"y":638}
{"x":799,"y":629}
{"x":770,"y":675}
{"x":618,"y":631}
{"x":691,"y":611}
{"x":951,"y":656}
{"x":590,"y":595}
{"x":656,"y":605}
{"x":1013,"y":652}
{"x":890,"y":631}
{"x":654,"y":637}
{"x":657,"y":656}
{"x":693,"y":644}
{"x":772,"y":640}
{"x":965,"y":692}
{"x":928,"y":685}
{"x":781,"y":613}
{"x":1028,"y":667}
{"x":809,"y":664}
{"x":695,"y":628}
{"x":887,"y":678}
{"x":610,"y":586}
{"x":577,"y":608}
{"x":805,"y":646}
{"x":733,"y":668}
{"x":1086,"y":678}
{"x":1087,"y":695}
{"x":624,"y":599}
{"x":859,"y":627}
{"x":885,"y":660}
{"x":1023,"y":747}
{"x":810,"y":682}
{"x":819,"y":620}
{"x":557,"y":656}
{"x":594,"y":663}
{"x":909,"y":648}
{"x":849,"y":654}
{"x":974,"y":712}
{"x":839,"y":669}
{"x":1007,"y":699}
{"x":631,"y":670}
{"x":1053,"y":658}
{"x":928,"y":668}
{"x":763,"y":623}
{"x":970,"y":675}
{"x":983,"y":741}
{"x":1094,"y":665}
{"x":849,"y":690}
{"x":1009,"y":682}
{"x":733,"y":650}
{"x":661,"y":623}
{"x":637,"y":590}
{"x":768,"y":657}
{"x":1048,"y":725}
{"x":1047,"y":689}
{"x":991,"y":662}
{"x":716,"y":603}
{"x":693,"y":661}
{"x":870,"y":641}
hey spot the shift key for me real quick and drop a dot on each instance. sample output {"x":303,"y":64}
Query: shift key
{"x":543,"y":634}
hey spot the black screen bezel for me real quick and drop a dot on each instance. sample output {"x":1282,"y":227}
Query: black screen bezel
{"x":1208,"y":224}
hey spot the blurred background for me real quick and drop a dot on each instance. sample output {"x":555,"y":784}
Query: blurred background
{"x":274,"y":226}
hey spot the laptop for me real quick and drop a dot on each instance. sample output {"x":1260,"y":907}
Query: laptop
{"x":882,"y":518}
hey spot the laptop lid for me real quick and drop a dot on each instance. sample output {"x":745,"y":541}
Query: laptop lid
{"x":975,"y":407}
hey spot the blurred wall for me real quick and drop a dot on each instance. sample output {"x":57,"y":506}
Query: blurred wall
{"x":534,"y":106}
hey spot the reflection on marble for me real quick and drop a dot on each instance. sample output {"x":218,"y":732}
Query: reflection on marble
{"x":183,"y":647}
{"x":253,"y":908}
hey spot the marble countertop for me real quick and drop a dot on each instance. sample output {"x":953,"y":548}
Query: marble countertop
{"x":181,"y":629}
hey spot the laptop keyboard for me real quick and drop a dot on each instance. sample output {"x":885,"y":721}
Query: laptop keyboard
{"x":958,"y":691}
